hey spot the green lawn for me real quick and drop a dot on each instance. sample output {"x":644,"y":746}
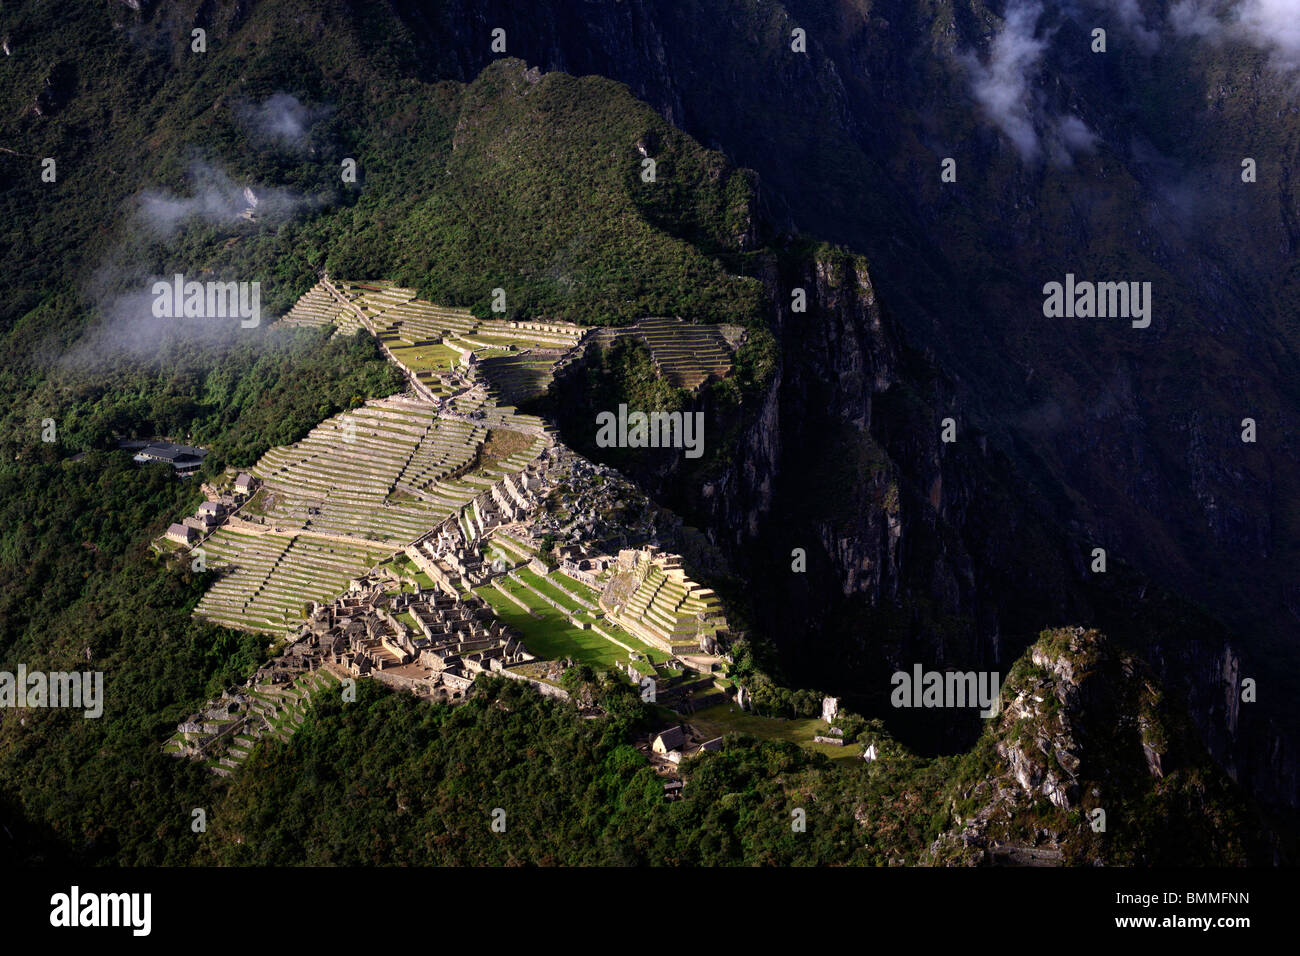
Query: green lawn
{"x":726,"y":718}
{"x":584,"y":591}
{"x":550,"y":635}
{"x":407,"y":568}
{"x":511,"y":549}
{"x":500,"y":343}
{"x":420,"y":358}
{"x":552,"y":592}
{"x":651,"y":653}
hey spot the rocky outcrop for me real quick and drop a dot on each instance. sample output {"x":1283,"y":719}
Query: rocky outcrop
{"x":1085,"y":764}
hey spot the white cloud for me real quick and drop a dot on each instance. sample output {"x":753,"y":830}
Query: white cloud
{"x":1003,"y":87}
{"x":215,"y":198}
{"x":1130,"y":15}
{"x":1273,"y":25}
{"x":1067,"y":137}
{"x":1270,"y":25}
{"x":1195,"y":19}
{"x":282,"y":120}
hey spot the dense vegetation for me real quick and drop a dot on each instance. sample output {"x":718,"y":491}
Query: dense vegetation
{"x":539,"y":193}
{"x":80,"y":588}
{"x":421,"y":782}
{"x":530,"y":184}
{"x":267,"y":388}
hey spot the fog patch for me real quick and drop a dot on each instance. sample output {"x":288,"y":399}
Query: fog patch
{"x":1131,"y":18}
{"x":281,"y":120}
{"x":216,"y":199}
{"x":126,"y":328}
{"x":1003,"y":87}
{"x":1269,"y":25}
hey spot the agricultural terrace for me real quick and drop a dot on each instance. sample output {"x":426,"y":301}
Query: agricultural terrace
{"x":275,"y":709}
{"x":358,"y":487}
{"x":686,"y":355}
{"x":447,"y":349}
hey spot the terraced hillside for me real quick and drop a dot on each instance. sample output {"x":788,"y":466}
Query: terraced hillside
{"x":476,"y":405}
{"x":270,"y":577}
{"x":359,"y":487}
{"x":224,"y":738}
{"x":656,"y":602}
{"x":318,"y":307}
{"x":513,"y":377}
{"x":554,"y":626}
{"x":383,"y":472}
{"x":445,"y":349}
{"x":449,"y":349}
{"x":685,"y":354}
{"x":417,"y":334}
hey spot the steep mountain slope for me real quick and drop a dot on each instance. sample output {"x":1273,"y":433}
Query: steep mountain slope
{"x":1085,"y":764}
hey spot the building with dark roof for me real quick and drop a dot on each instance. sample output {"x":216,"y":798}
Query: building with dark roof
{"x":670,"y":739}
{"x":185,"y":459}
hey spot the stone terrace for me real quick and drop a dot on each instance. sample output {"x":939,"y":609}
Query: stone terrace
{"x":476,"y":405}
{"x":359,"y":487}
{"x":444,"y":349}
{"x":273,"y":701}
{"x":650,"y":595}
{"x":685,"y":354}
{"x":383,"y":472}
{"x":272,"y":577}
{"x":447,"y":349}
{"x":318,"y":307}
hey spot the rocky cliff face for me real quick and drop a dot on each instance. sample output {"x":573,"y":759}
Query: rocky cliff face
{"x":1087,"y":763}
{"x":871,"y":543}
{"x":934,"y":552}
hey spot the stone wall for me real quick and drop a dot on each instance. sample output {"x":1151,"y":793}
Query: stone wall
{"x":547,"y":690}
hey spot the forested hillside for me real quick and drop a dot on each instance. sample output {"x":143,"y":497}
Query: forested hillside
{"x":539,"y":192}
{"x":232,"y":163}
